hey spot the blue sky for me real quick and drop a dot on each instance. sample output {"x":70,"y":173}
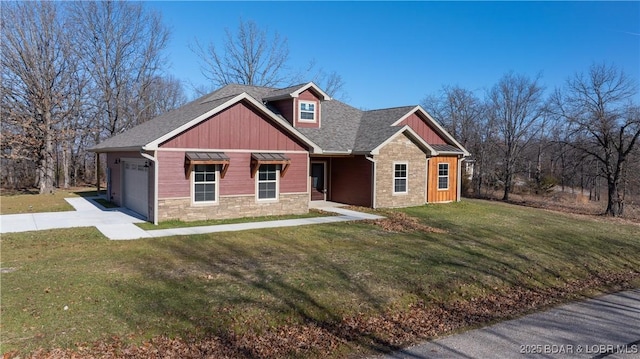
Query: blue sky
{"x":396,"y":53}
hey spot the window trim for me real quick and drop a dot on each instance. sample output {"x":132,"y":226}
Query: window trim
{"x":443,"y":176}
{"x":406,"y":177}
{"x":316,"y":107}
{"x":216,"y":184}
{"x":277,"y":181}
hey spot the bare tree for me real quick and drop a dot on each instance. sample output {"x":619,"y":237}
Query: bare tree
{"x":463,"y":114}
{"x":253,"y":56}
{"x":603,"y":123}
{"x":161,"y":95}
{"x":250,"y":56}
{"x":459,"y":110}
{"x":38,"y":83}
{"x":120,"y":44}
{"x":515,"y":106}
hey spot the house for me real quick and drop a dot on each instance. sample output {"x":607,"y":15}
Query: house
{"x":253,"y":151}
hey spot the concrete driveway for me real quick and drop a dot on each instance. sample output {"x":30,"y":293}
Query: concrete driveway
{"x":115,"y":223}
{"x":604,"y":327}
{"x":118,"y":223}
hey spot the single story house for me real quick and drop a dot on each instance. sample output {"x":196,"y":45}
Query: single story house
{"x":253,"y":151}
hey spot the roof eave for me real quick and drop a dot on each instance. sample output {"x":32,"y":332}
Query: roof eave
{"x":323,"y":95}
{"x":116,"y":149}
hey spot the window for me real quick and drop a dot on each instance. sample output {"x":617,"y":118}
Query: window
{"x":204,"y":183}
{"x":443,"y":176}
{"x":268,"y":182}
{"x":400,"y":178}
{"x":307,"y":111}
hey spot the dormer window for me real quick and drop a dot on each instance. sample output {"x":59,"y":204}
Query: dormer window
{"x":307,"y":111}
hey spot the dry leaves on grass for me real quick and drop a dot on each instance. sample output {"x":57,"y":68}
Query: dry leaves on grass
{"x":384,"y":332}
{"x":402,"y":222}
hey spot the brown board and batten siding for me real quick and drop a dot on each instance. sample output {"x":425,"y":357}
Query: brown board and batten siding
{"x":351,"y":181}
{"x":237,"y":127}
{"x":285,"y":108}
{"x":307,"y":95}
{"x":423,"y":129}
{"x":434,"y":194}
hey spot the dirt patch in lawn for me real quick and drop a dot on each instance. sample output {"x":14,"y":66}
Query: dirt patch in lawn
{"x":384,"y":332}
{"x":399,"y":222}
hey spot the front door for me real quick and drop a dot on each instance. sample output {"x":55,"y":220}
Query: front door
{"x":318,"y":188}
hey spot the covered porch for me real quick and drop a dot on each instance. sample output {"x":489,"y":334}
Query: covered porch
{"x":346,"y":179}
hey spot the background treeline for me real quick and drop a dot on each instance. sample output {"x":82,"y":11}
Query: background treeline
{"x":583,"y":136}
{"x":73,"y":74}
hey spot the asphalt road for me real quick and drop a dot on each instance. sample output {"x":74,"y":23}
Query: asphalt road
{"x":604,"y":327}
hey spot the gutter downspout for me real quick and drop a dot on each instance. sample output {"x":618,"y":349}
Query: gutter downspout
{"x":460,"y":160}
{"x":373,"y":179}
{"x":153,"y":159}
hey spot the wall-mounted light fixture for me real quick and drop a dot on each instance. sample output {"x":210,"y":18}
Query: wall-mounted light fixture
{"x":117,"y":161}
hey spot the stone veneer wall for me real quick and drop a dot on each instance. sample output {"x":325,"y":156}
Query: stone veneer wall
{"x":401,"y":149}
{"x":232,"y":207}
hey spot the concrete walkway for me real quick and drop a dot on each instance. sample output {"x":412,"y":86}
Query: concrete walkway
{"x":603,"y":327}
{"x":118,"y":223}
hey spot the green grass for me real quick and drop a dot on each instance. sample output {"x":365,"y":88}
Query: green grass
{"x":180,"y":224}
{"x":33,"y":203}
{"x":256,"y":280}
{"x":29,"y":201}
{"x":106,"y":204}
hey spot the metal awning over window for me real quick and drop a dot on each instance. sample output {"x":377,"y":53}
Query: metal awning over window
{"x":205,"y":158}
{"x":258,"y":159}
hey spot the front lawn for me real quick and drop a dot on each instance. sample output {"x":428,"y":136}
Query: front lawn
{"x":18,"y":202}
{"x":321,"y":290}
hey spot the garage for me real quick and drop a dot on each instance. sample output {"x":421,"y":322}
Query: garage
{"x":136,"y":183}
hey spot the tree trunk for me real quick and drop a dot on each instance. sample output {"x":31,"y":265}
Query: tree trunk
{"x":46,"y":158}
{"x":614,"y":201}
{"x":65,"y":164}
{"x":507,"y":187}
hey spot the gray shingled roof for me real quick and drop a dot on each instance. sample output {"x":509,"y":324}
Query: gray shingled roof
{"x":375,"y":127}
{"x":447,"y":148}
{"x":343,"y":127}
{"x":283,"y":92}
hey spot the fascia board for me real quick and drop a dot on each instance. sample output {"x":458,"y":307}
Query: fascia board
{"x":296,"y":93}
{"x":323,"y":94}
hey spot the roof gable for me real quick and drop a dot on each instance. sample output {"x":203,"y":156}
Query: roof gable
{"x":433,"y":125}
{"x":149,"y":135}
{"x":239,"y":126}
{"x":295,"y":91}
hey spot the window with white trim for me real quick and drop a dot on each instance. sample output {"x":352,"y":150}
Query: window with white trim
{"x":204,"y":183}
{"x":443,"y":176}
{"x":307,"y":111}
{"x":268,"y":182}
{"x":400,"y":171}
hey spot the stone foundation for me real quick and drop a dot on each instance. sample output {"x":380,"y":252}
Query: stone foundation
{"x":232,"y":207}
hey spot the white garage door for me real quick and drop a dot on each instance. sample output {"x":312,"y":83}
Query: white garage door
{"x":135,"y":190}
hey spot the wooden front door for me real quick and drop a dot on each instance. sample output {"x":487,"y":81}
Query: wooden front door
{"x":318,"y":181}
